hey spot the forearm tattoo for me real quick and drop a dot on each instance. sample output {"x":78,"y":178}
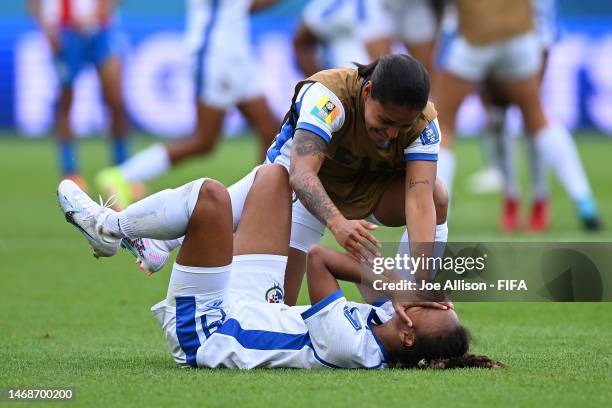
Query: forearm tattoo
{"x":306,"y":184}
{"x":311,"y":193}
{"x":413,"y":183}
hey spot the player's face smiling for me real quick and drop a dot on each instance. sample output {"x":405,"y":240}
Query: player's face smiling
{"x":384,"y":121}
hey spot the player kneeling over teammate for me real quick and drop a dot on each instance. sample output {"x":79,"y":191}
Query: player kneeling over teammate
{"x":216,"y":312}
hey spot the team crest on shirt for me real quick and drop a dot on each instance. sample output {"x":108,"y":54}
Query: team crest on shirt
{"x":430,"y":135}
{"x":325,"y":110}
{"x":275,"y":294}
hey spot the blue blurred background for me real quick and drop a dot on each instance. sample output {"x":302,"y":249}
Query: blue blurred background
{"x":157,"y":86}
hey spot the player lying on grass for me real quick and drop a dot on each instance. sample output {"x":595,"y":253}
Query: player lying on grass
{"x":216,"y":312}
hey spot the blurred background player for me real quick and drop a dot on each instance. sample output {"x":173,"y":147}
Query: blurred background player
{"x":224,"y":74}
{"x":496,"y":40}
{"x":415,"y":23}
{"x":500,"y":172}
{"x":81,"y":32}
{"x":333,"y":34}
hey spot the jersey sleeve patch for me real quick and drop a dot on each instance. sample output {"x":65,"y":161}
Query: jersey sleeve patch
{"x":325,"y":110}
{"x":320,"y":111}
{"x":427,"y":146}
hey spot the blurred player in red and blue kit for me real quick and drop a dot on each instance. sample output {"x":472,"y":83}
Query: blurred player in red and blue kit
{"x":81,"y":32}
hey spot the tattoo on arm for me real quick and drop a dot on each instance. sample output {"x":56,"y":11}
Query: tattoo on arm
{"x":413,"y":183}
{"x":309,"y":144}
{"x":311,"y":193}
{"x":306,"y":182}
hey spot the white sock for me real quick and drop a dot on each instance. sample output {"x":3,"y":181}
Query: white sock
{"x":556,"y":145}
{"x":446,"y":167}
{"x":440,"y":239}
{"x":163,"y":215}
{"x":238,"y":193}
{"x":537,"y":172}
{"x":168,"y":245}
{"x":146,"y":165}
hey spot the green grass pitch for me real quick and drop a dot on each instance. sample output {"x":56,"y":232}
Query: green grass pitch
{"x":69,"y":320}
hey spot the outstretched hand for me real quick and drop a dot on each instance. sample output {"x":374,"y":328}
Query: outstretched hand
{"x":355,"y":237}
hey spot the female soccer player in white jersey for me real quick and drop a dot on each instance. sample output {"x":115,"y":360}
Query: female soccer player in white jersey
{"x":216,"y":313}
{"x":224,"y":75}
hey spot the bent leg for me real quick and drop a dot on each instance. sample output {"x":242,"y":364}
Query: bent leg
{"x":261,"y":242}
{"x":266,"y":220}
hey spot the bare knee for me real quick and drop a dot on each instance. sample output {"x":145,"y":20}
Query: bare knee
{"x":440,"y":202}
{"x":213,"y":193}
{"x":314,"y":256}
{"x":276,"y":177}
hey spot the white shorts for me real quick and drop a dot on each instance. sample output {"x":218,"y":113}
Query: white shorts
{"x":509,"y":60}
{"x":258,"y":278}
{"x":223,"y":80}
{"x":203,"y":297}
{"x":414,"y":21}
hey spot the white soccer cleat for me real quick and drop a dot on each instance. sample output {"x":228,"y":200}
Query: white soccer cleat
{"x":88,"y":217}
{"x":150,"y":258}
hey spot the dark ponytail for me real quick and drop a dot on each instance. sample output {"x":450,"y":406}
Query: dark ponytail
{"x":465,"y":361}
{"x":397,"y":79}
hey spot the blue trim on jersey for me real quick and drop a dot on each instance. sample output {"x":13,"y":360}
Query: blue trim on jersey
{"x":269,"y":340}
{"x":421,"y":156}
{"x":204,"y":48}
{"x":373,"y":317}
{"x":318,"y":358}
{"x":263,"y":339}
{"x":314,"y":129}
{"x":186,"y":328}
{"x":287,"y":129}
{"x":380,"y":301}
{"x":285,"y":134}
{"x":321,"y":304}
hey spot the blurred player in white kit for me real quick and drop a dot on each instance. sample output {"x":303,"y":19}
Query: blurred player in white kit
{"x":498,"y":42}
{"x":224,"y":71}
{"x":333,"y":34}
